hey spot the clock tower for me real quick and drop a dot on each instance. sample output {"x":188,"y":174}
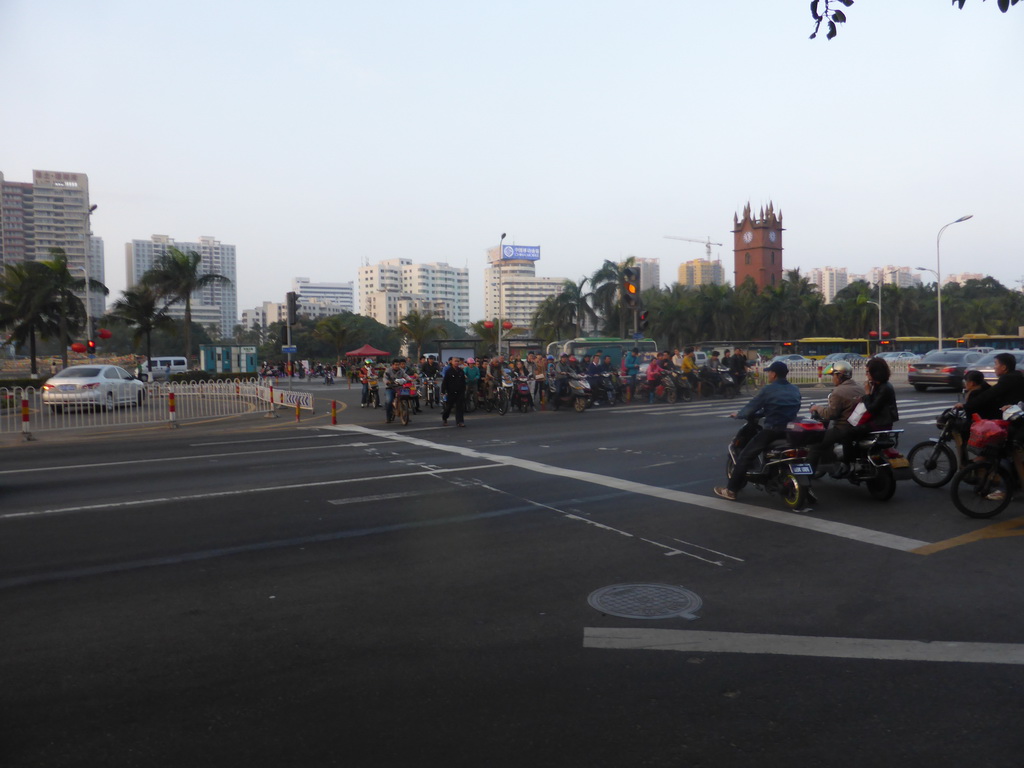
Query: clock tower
{"x":758,"y":247}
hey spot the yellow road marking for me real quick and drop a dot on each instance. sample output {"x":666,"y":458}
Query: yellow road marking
{"x":999,"y":530}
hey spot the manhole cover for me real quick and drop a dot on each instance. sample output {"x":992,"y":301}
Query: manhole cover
{"x":646,"y":601}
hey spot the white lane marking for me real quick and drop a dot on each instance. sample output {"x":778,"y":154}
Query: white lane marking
{"x":238,"y":492}
{"x":378,"y":497}
{"x":689,"y":641}
{"x":189,"y":457}
{"x":794,"y":520}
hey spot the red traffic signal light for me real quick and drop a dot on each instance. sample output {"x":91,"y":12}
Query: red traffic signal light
{"x":91,"y":346}
{"x":643,"y":320}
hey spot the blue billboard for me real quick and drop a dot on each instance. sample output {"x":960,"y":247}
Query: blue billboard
{"x":520,"y":253}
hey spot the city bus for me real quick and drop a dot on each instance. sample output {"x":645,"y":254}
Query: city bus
{"x":614,"y":348}
{"x":817,"y":347}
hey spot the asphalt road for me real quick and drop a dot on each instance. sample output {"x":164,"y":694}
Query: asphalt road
{"x":259,"y":592}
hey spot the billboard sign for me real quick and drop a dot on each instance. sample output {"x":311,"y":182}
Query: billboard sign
{"x":520,"y":253}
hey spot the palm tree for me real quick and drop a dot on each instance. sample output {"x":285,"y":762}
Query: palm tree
{"x":420,"y":328}
{"x":26,"y":308}
{"x":61,"y":286}
{"x":176,"y":276}
{"x":609,"y":295}
{"x":142,"y":308}
{"x":334,"y":330}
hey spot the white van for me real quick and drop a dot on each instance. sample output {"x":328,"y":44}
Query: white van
{"x":163,"y":367}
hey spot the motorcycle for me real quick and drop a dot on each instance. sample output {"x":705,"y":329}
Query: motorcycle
{"x":986,"y":484}
{"x":718,"y":382}
{"x":934,"y":461}
{"x":873,"y":461}
{"x":430,"y":390}
{"x":522,"y":396}
{"x":606,"y":388}
{"x":783,"y":467}
{"x":665,"y":390}
{"x":577,"y":393}
{"x":684,"y":390}
{"x":373,"y":390}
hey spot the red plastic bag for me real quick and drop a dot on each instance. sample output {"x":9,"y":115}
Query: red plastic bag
{"x":986,"y":432}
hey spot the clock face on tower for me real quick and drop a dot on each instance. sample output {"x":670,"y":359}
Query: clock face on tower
{"x":748,"y":236}
{"x":773,"y":235}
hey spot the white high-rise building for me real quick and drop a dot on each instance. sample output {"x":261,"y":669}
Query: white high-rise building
{"x":217,"y":303}
{"x":318,"y":300}
{"x":830,"y":281}
{"x":650,"y":273}
{"x":512,"y":290}
{"x":904,"y":277}
{"x":393,"y":288}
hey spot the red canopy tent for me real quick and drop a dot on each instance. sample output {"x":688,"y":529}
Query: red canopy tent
{"x":367,"y":351}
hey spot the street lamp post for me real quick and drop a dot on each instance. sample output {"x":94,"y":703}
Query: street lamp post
{"x":938,"y":271}
{"x":88,"y":278}
{"x":501,"y":294}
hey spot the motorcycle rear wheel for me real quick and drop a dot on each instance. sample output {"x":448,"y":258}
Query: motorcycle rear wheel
{"x":671,"y":395}
{"x":793,"y":494}
{"x":975,"y":483}
{"x":883,"y":486}
{"x":932,"y":465}
{"x":686,"y":395}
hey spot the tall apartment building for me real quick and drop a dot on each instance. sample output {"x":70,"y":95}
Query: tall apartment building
{"x":701,"y":272}
{"x":904,"y":277}
{"x":52,"y":211}
{"x":650,"y":273}
{"x":961,"y":277}
{"x":830,"y":281}
{"x":217,"y":303}
{"x":512,"y":290}
{"x":318,"y":300}
{"x":393,"y":288}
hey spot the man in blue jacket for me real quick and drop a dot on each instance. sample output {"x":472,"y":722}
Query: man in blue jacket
{"x":778,"y":402}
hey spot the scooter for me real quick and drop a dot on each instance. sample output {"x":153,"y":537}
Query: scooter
{"x":874,"y":461}
{"x":718,"y":382}
{"x":665,"y":389}
{"x":783,"y":467}
{"x":577,"y":394}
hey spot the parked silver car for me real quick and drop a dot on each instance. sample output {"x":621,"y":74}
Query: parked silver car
{"x":93,"y":386}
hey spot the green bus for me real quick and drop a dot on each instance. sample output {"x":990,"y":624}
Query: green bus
{"x":614,"y":348}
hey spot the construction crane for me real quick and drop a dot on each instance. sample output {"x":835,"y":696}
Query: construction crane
{"x":707,"y":242}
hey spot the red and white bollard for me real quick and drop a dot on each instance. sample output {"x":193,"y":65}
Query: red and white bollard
{"x":171,"y":409}
{"x":25,"y":430}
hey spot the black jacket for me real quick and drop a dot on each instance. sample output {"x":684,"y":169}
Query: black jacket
{"x":1009,"y":390}
{"x":454,"y":382}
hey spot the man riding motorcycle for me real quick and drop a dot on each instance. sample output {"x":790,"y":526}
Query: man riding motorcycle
{"x":845,"y":395}
{"x":779,"y":403}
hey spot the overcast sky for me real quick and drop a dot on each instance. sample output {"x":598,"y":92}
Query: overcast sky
{"x":317,"y":134}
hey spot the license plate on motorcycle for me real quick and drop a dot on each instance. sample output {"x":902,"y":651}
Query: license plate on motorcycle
{"x":801,"y":469}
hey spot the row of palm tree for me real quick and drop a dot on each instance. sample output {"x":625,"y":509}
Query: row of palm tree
{"x":794,"y":308}
{"x":38,"y":299}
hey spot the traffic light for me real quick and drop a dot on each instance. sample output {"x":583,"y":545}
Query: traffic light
{"x":293,"y":307}
{"x":90,"y":346}
{"x":642,"y":321}
{"x":631,"y":284}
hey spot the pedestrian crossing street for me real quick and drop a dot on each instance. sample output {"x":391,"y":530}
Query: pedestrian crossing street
{"x":912,"y":411}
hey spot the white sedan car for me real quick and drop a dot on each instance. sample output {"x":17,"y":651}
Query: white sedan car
{"x":94,"y":386}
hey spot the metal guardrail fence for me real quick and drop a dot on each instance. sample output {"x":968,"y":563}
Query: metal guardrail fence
{"x":22,"y":409}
